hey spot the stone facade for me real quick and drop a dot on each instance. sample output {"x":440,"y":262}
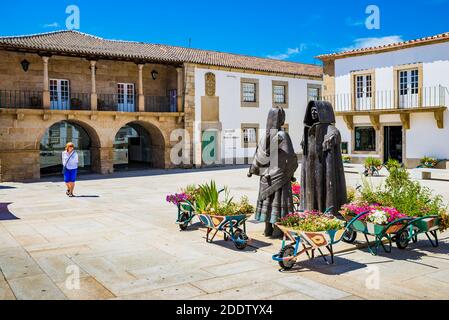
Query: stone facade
{"x":22,"y":130}
{"x":77,"y":71}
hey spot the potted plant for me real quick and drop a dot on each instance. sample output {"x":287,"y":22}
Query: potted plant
{"x":428,"y":162}
{"x":372,"y":166}
{"x":35,"y":101}
{"x":374,"y":219}
{"x":184,"y":201}
{"x":76,"y":103}
{"x":225,"y":215}
{"x":347,"y":159}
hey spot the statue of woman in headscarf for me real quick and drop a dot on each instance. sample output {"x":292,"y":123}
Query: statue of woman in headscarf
{"x":323,"y":184}
{"x":275,"y":162}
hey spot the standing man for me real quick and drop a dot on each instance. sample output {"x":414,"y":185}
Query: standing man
{"x":70,"y":163}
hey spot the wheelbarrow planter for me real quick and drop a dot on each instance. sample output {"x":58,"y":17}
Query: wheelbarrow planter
{"x":428,"y":225}
{"x":308,"y":243}
{"x":233,"y":228}
{"x":401,"y":231}
{"x":186,"y":213}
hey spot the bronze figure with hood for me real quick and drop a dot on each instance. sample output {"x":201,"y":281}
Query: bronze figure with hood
{"x":323,"y":184}
{"x":275,"y":162}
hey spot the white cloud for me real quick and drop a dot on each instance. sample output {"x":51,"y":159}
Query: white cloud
{"x":291,"y":52}
{"x":372,"y":42}
{"x":51,"y":25}
{"x":354,"y":23}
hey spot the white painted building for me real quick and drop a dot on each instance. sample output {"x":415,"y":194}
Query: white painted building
{"x":391,"y":101}
{"x":244,"y":99}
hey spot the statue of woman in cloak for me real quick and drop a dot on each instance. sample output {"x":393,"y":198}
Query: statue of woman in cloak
{"x":275,"y":162}
{"x":323,"y":183}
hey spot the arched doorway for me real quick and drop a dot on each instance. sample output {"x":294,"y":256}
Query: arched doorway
{"x":133,"y":148}
{"x":53,"y":144}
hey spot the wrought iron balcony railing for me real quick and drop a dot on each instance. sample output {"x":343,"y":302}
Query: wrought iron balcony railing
{"x":18,"y":99}
{"x":408,"y":98}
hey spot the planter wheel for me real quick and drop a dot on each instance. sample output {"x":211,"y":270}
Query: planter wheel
{"x":349,"y":236}
{"x":241,"y":239}
{"x":183,"y":226}
{"x":287,"y":251}
{"x":402,"y":240}
{"x":226,"y":237}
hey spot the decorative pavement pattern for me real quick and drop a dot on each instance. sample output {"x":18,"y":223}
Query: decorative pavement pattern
{"x":121,"y":236}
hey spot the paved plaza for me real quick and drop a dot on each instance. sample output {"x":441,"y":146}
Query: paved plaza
{"x":122,"y":237}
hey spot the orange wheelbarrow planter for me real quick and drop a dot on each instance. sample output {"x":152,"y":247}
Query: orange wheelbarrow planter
{"x":306,"y":243}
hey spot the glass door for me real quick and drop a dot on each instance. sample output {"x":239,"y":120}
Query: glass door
{"x":126,"y":97}
{"x":364,"y":93}
{"x":59,"y":94}
{"x":408,"y":88}
{"x":393,"y":143}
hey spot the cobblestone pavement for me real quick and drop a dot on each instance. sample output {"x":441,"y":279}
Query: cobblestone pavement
{"x":121,"y":236}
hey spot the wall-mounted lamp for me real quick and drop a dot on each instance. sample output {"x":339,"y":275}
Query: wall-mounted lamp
{"x":25,"y":65}
{"x":154,"y":74}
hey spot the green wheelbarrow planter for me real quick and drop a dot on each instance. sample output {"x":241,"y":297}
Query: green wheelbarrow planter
{"x":306,"y":242}
{"x":233,"y":228}
{"x":401,"y":231}
{"x":186,"y":213}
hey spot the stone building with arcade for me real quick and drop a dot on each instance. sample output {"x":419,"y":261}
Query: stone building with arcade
{"x":120,"y":101}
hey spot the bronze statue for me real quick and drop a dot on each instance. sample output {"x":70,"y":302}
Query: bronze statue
{"x":323,"y":184}
{"x":275,"y":162}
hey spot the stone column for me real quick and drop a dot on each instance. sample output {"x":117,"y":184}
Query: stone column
{"x":141,"y":93}
{"x":180,"y":89}
{"x":93,"y":94}
{"x":102,"y":160}
{"x":46,"y":89}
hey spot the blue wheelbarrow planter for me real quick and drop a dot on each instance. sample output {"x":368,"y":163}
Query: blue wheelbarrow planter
{"x":308,"y":243}
{"x":186,"y":213}
{"x":401,"y":231}
{"x":233,"y":228}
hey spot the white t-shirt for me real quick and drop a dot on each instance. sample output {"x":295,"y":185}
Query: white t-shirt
{"x":71,"y":163}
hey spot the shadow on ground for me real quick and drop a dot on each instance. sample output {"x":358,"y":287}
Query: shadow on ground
{"x":5,"y":214}
{"x":138,"y":173}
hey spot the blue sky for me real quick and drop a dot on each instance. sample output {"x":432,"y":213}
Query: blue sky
{"x":291,"y":30}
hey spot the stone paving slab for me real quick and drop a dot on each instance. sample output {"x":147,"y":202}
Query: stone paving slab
{"x":127,"y":246}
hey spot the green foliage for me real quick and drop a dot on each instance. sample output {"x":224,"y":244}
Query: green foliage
{"x":372,"y":162}
{"x":352,"y":194}
{"x":407,"y":196}
{"x":208,"y":202}
{"x":207,"y":197}
{"x":392,"y":164}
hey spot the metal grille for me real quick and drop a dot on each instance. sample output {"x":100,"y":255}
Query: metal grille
{"x":249,"y":92}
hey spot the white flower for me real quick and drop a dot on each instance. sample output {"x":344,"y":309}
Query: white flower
{"x":378,"y":217}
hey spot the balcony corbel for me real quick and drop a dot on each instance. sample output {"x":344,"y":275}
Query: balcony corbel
{"x":439,"y":117}
{"x":375,"y":121}
{"x":405,"y":119}
{"x":46,"y":116}
{"x":349,"y":120}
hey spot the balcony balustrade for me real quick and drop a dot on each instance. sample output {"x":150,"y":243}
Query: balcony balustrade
{"x":405,"y":99}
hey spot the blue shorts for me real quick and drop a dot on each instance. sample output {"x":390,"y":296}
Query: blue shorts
{"x":70,"y":175}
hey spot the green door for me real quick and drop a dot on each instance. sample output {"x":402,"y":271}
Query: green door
{"x":209,"y":147}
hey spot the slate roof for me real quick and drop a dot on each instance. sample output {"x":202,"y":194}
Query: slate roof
{"x":442,"y":37}
{"x":80,"y":44}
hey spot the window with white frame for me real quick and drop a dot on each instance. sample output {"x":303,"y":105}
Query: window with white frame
{"x":279,"y":94}
{"x":313,"y":93}
{"x":249,"y":92}
{"x":249,"y":135}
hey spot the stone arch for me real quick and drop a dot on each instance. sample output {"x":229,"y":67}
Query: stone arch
{"x":93,"y":134}
{"x":157,"y":141}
